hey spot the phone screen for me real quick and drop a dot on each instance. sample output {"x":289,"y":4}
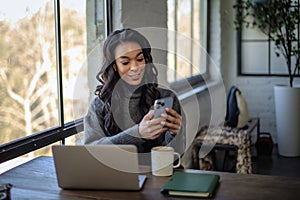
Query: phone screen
{"x":161,"y":104}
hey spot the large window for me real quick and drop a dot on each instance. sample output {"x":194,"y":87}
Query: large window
{"x":46,"y":50}
{"x":50,"y":54}
{"x":257,"y":52}
{"x":187,"y":39}
{"x":28,"y":64}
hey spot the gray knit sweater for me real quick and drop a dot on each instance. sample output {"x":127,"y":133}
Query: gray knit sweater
{"x":94,"y":120}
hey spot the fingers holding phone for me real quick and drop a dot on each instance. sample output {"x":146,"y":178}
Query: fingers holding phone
{"x":151,"y":128}
{"x":163,"y":108}
{"x":161,"y":119}
{"x":173,"y":121}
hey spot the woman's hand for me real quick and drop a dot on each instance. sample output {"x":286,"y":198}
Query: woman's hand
{"x":152,"y":128}
{"x":173,"y":121}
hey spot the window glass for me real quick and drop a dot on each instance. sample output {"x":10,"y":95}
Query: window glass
{"x":74,"y":56}
{"x":251,"y":62}
{"x":29,"y":98}
{"x":252,"y":33}
{"x":187,"y":25}
{"x":28,"y":86}
{"x":277,"y":62}
{"x":77,"y":139}
{"x":258,"y":51}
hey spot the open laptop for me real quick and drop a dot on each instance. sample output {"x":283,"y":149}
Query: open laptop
{"x":97,"y":167}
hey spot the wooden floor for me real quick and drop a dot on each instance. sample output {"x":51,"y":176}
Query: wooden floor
{"x":276,"y":165}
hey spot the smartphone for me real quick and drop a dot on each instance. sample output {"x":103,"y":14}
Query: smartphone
{"x":161,"y":104}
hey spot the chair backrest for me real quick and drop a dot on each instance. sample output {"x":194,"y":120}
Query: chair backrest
{"x":237,"y":109}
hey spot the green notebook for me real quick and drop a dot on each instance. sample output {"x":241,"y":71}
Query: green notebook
{"x":191,"y":184}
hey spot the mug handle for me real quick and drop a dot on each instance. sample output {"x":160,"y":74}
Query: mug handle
{"x":179,"y":160}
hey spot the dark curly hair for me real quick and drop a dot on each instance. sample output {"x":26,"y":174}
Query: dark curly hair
{"x":108,"y":77}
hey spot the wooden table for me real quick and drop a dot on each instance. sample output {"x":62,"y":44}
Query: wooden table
{"x":36,"y":179}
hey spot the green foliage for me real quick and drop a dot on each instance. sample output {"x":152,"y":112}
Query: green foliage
{"x":278,"y":19}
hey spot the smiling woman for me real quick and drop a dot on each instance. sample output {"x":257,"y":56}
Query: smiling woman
{"x":130,"y":62}
{"x":121,"y":112}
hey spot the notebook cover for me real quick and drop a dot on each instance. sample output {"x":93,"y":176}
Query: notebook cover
{"x":191,"y":184}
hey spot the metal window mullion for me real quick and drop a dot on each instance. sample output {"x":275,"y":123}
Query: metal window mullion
{"x":175,"y":38}
{"x":269,"y":57}
{"x":200,"y":36}
{"x":192,"y":37}
{"x":269,"y":51}
{"x":33,"y":142}
{"x":59,"y":63}
{"x":202,"y":19}
{"x":108,"y":16}
{"x":298,"y":37}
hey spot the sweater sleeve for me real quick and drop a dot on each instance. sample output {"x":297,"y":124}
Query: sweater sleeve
{"x":94,"y":133}
{"x":178,"y":142}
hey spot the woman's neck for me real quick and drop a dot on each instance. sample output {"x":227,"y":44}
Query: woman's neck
{"x":128,"y":90}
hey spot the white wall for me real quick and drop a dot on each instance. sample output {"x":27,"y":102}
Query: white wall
{"x":142,"y":15}
{"x":258,"y":91}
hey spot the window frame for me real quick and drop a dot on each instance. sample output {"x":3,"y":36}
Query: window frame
{"x":41,"y":139}
{"x":268,"y":41}
{"x":196,"y":80}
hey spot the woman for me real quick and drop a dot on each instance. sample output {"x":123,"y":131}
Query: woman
{"x":122,"y":111}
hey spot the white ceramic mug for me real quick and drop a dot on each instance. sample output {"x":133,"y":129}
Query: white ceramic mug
{"x":162,"y":158}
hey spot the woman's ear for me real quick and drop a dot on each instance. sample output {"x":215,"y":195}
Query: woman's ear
{"x":115,"y":67}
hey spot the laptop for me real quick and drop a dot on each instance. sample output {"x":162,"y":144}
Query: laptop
{"x":97,"y":167}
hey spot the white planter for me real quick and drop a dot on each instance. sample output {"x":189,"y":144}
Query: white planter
{"x":287,"y":109}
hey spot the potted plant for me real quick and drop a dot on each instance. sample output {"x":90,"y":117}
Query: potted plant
{"x":279,"y":20}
